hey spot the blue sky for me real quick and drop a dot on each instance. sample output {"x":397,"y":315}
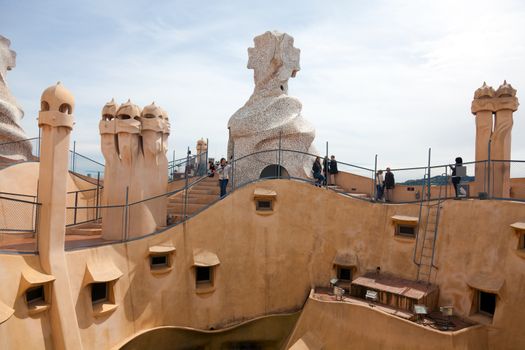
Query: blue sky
{"x":377,"y":77}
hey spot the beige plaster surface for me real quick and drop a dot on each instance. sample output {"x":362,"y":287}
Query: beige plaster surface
{"x":55,"y":120}
{"x":269,"y":263}
{"x":22,"y":178}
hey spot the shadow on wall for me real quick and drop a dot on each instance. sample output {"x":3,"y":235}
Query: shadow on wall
{"x":273,"y":171}
{"x":268,"y":332}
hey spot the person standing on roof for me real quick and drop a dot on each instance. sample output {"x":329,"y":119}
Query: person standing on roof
{"x":224,"y":175}
{"x":332,"y":170}
{"x":317,"y":169}
{"x":379,"y":185}
{"x":390,"y":183}
{"x":456,"y":179}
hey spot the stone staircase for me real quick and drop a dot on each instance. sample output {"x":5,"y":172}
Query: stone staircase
{"x":88,"y":229}
{"x":199,"y":197}
{"x":343,"y":192}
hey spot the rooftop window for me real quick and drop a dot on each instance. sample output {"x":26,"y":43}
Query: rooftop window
{"x":486,"y":303}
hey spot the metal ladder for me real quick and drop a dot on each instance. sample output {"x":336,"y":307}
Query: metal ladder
{"x":429,"y":210}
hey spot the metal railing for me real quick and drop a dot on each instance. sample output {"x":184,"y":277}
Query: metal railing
{"x":189,"y":166}
{"x":83,"y":165}
{"x":80,"y":199}
{"x":29,"y":148}
{"x":18,"y":223}
{"x":353,"y":180}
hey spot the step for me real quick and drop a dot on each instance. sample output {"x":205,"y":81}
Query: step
{"x":81,"y":231}
{"x":208,"y":184}
{"x":178,"y":208}
{"x":207,"y":196}
{"x":205,"y":199}
{"x":204,"y":191}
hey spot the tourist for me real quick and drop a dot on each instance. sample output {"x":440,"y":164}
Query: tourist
{"x":389,"y":185}
{"x":224,"y":175}
{"x":332,"y":169}
{"x":325,"y":170}
{"x":211,"y":169}
{"x":456,"y":179}
{"x":379,"y":185}
{"x":316,"y":169}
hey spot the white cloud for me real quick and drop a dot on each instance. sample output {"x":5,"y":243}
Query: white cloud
{"x":392,"y":77}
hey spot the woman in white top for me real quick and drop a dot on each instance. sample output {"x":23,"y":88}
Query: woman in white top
{"x":224,"y":175}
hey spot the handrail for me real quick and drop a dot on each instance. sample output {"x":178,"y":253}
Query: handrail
{"x":196,"y":180}
{"x":85,"y":157}
{"x":17,"y":141}
{"x":18,"y":194}
{"x":19,"y":200}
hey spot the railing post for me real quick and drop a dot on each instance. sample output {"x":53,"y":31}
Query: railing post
{"x":76,"y":205}
{"x":488,"y":175}
{"x":185,"y":201}
{"x":279,"y":156}
{"x":429,"y":175}
{"x":374,"y":179}
{"x":74,"y":152}
{"x":125,"y":233}
{"x":446,"y":182}
{"x":97,"y":202}
{"x":207,"y":149}
{"x":325,"y":165}
{"x":38,"y":143}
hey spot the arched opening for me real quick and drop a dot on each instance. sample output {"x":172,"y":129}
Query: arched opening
{"x":44,"y":106}
{"x":274,"y":171}
{"x":65,"y":108}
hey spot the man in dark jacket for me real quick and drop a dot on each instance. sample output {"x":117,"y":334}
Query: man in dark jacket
{"x":390,"y":183}
{"x":332,"y":169}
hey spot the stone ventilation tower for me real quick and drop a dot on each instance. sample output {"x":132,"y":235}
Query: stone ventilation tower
{"x":55,"y":120}
{"x":201,"y":148}
{"x":271,"y":118}
{"x":134,"y":145}
{"x":493,"y":110}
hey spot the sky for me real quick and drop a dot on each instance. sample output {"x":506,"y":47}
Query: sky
{"x":391,"y":78}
